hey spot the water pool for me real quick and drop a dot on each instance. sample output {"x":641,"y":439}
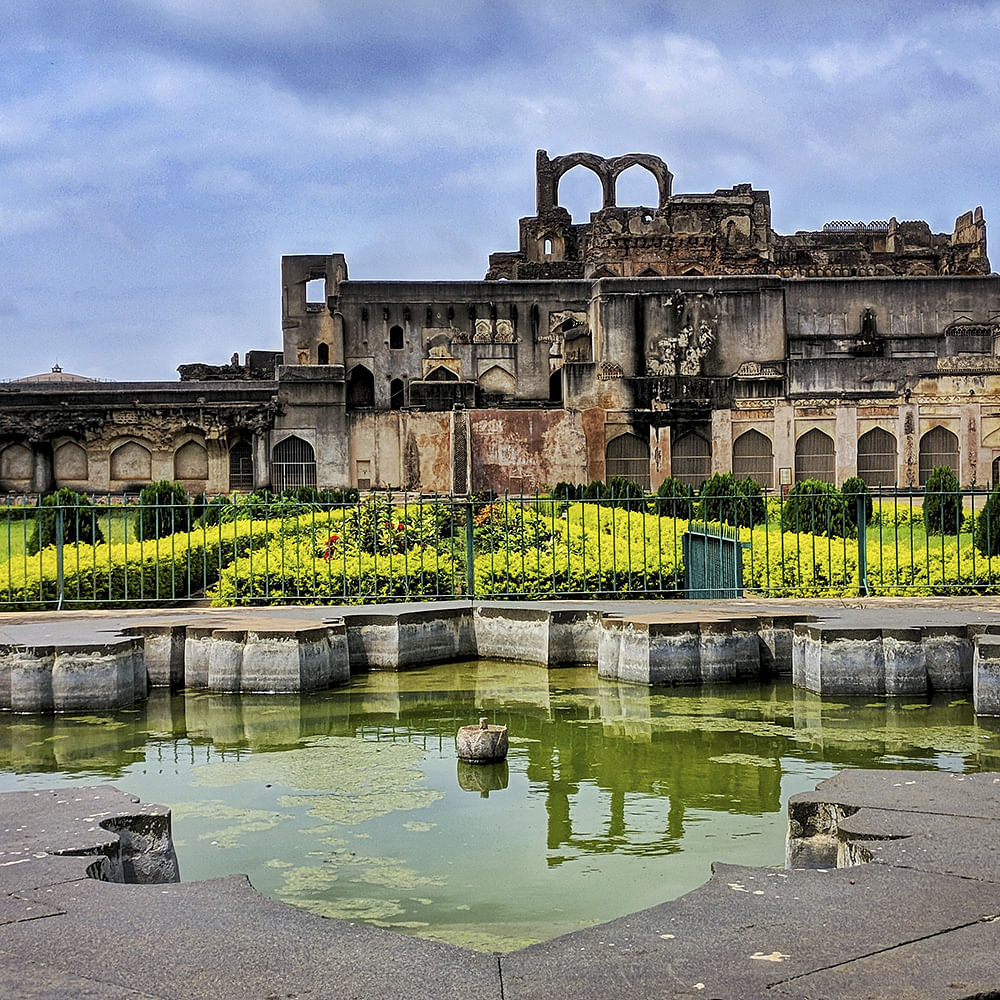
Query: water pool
{"x":614,"y":797}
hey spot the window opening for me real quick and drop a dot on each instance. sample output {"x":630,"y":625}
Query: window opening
{"x":814,"y":457}
{"x":241,"y":466}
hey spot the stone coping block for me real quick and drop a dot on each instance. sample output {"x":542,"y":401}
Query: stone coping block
{"x":644,"y":650}
{"x":862,"y":659}
{"x":72,"y":676}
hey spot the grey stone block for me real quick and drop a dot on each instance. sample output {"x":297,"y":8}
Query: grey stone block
{"x":986,"y":675}
{"x":513,"y":632}
{"x":904,"y":661}
{"x":163,"y":647}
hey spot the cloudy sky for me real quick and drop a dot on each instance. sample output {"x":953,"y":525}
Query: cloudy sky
{"x":157,"y":157}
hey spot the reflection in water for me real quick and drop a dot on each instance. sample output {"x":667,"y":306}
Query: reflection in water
{"x":482,"y":778}
{"x":613,"y":796}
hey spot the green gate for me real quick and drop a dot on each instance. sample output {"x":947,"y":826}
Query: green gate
{"x":713,"y":563}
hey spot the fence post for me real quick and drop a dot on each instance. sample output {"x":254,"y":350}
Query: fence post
{"x":60,"y":586}
{"x":861,"y":518}
{"x":470,"y":563}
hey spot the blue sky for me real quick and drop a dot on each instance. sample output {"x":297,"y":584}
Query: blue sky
{"x":157,"y":157}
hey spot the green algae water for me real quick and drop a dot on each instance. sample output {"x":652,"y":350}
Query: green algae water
{"x":351,"y":802}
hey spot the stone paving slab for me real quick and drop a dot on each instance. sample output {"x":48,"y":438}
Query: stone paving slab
{"x":221,"y":939}
{"x":938,"y":967}
{"x":941,"y":792}
{"x":29,"y":980}
{"x":748,"y":929}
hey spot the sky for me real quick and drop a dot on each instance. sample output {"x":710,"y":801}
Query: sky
{"x":157,"y":157}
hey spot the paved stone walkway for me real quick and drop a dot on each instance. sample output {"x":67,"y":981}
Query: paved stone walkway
{"x":920,"y":920}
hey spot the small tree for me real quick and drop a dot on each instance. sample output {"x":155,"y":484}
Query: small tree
{"x":626,"y":493}
{"x":853,"y":489}
{"x":164,"y":510}
{"x":815,"y":507}
{"x":735,"y":501}
{"x":942,"y":503}
{"x":987,"y":535}
{"x":566,"y":491}
{"x":595,"y":490}
{"x":78,"y":516}
{"x":674,"y":498}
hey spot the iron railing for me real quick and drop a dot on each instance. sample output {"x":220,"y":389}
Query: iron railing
{"x":345,"y":548}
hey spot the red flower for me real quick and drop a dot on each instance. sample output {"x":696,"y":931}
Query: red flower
{"x":402,"y":527}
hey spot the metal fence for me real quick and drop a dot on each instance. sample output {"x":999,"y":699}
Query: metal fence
{"x":341,"y":547}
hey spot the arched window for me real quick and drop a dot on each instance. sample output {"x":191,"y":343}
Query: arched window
{"x":753,"y":456}
{"x":691,"y":459}
{"x":360,"y":389}
{"x":556,"y":386}
{"x":627,"y":455}
{"x":293,"y":464}
{"x":877,"y":457}
{"x":191,"y":462}
{"x":996,"y":472}
{"x":323,"y":354}
{"x":815,"y":457}
{"x":396,"y":338}
{"x":131,"y":463}
{"x":937,"y":447}
{"x":396,"y":394}
{"x":547,"y":246}
{"x":241,"y":466}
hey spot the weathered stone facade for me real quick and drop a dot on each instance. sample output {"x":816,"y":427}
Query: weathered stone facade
{"x":680,"y":339}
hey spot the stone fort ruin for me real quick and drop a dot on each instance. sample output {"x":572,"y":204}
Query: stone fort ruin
{"x":675,"y":339}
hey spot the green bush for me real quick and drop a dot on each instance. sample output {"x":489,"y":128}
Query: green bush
{"x":817,"y":508}
{"x":626,"y":493}
{"x":674,"y":498}
{"x":942,"y":503}
{"x":852,"y":489}
{"x":79,"y":521}
{"x":595,"y":490}
{"x":567,"y":491}
{"x":733,"y":501}
{"x":164,"y":510}
{"x":987,"y":531}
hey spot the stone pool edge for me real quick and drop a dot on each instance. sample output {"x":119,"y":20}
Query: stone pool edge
{"x":914,"y":911}
{"x":99,"y":661}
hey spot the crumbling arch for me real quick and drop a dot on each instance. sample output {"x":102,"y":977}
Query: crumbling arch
{"x":575,"y":194}
{"x":937,"y":447}
{"x":548,"y":173}
{"x":496,"y":380}
{"x":639,"y":180}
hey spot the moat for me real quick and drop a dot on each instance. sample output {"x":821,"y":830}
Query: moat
{"x":614,"y":797}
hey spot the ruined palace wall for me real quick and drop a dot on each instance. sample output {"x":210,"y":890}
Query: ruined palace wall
{"x":832,"y":350}
{"x":633,"y":317}
{"x":516,"y":450}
